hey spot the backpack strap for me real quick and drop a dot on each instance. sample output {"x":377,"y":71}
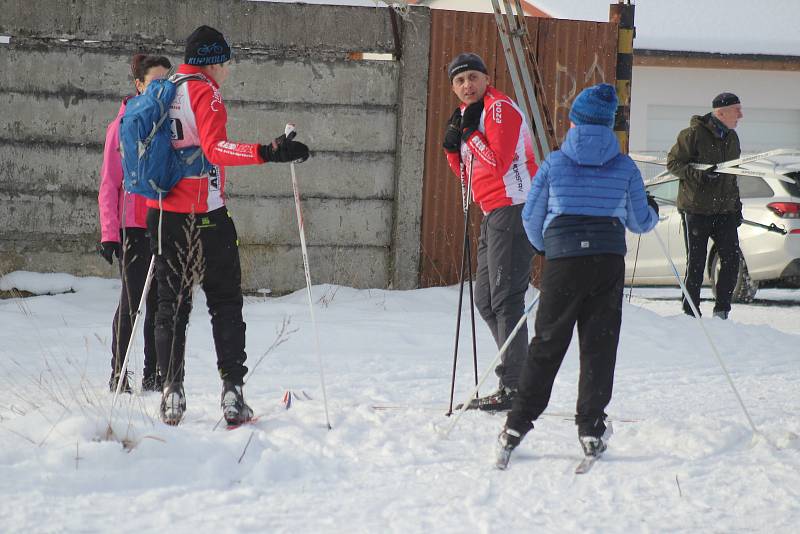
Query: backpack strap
{"x":178,"y":79}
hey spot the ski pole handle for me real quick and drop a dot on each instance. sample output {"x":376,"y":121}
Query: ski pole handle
{"x":290,"y":131}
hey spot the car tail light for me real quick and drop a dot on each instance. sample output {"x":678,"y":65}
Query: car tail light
{"x":785,"y":210}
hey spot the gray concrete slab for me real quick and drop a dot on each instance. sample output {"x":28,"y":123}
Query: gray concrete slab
{"x":264,"y":25}
{"x":327,"y":221}
{"x":42,"y":168}
{"x":279,"y":268}
{"x":84,"y":120}
{"x":258,"y":220}
{"x":254,"y":78}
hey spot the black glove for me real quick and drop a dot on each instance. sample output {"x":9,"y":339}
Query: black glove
{"x":651,"y":201}
{"x":109,"y":249}
{"x":471,"y":119}
{"x":284,"y":150}
{"x":452,"y":136}
{"x":710,"y":174}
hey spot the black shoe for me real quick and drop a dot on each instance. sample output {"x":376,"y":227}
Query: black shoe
{"x":152,"y":382}
{"x":592,"y":446}
{"x":507,"y":441}
{"x":126,"y":384}
{"x":499,"y":401}
{"x":234,"y":409}
{"x":688,"y":311}
{"x":173,"y":404}
{"x":721,"y":314}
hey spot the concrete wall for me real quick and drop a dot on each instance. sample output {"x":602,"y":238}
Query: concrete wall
{"x":66,"y":69}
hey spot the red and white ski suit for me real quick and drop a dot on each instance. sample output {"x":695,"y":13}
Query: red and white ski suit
{"x":504,"y":163}
{"x":199,"y":118}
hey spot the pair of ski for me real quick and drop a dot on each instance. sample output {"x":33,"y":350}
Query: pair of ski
{"x":589,"y":459}
{"x":726,"y":167}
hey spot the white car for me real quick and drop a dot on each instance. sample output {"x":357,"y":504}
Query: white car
{"x":765,"y":254}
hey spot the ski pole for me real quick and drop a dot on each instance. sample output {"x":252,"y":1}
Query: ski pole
{"x":491,"y":367}
{"x":472,"y":310}
{"x":705,"y":331}
{"x":465,"y":258}
{"x":290,"y":131}
{"x":142,"y":300}
{"x":635,"y":261}
{"x":468,"y":244}
{"x":772,"y":227}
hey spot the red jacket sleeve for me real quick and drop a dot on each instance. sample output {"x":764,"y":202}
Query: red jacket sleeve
{"x":212,"y":117}
{"x":497,"y":147}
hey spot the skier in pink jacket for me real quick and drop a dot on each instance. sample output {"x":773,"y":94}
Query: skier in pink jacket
{"x":123,"y":220}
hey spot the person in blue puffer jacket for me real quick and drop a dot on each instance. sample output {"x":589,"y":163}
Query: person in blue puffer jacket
{"x":582,"y":199}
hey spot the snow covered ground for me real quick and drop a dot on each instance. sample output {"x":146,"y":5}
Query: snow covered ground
{"x":683,"y":457}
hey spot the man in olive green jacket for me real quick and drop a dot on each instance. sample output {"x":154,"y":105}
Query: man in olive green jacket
{"x":708,"y":200}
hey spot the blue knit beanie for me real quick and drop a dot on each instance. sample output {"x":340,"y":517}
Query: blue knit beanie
{"x":595,"y":105}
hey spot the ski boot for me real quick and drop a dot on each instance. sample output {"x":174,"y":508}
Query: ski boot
{"x":173,"y":404}
{"x":234,"y":409}
{"x":126,"y":384}
{"x":507,"y":441}
{"x":152,"y":382}
{"x":499,"y":401}
{"x":592,"y":446}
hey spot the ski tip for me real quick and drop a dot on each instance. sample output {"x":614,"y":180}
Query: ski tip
{"x":586,"y":464}
{"x":238,"y":425}
{"x":502,"y":456}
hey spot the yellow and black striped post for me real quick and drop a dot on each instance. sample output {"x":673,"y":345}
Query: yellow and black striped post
{"x":622,"y":14}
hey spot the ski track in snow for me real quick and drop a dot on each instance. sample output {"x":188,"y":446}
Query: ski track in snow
{"x":689,"y":462}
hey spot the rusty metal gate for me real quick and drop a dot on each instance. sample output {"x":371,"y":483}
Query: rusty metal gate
{"x":571,"y":55}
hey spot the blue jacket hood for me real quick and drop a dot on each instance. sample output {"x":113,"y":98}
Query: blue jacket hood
{"x":590,"y":144}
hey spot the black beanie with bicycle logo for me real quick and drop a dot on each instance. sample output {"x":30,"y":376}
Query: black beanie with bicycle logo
{"x":206,"y":46}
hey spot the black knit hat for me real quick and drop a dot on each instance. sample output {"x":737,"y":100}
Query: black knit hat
{"x":206,"y":46}
{"x":463,"y":62}
{"x":725,"y":99}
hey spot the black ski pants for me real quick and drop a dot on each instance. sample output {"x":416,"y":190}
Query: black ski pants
{"x":133,"y":268}
{"x":504,"y":271}
{"x":722,"y":229}
{"x":586,"y":290}
{"x":198,"y":249}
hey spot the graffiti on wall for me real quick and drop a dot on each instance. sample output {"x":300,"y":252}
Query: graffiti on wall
{"x":568,"y":86}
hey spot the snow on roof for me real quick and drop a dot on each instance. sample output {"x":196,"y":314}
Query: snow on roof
{"x":724,"y":26}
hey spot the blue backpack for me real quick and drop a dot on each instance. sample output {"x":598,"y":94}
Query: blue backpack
{"x":151,"y":166}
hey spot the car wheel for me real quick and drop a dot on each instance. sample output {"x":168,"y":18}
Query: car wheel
{"x":745,"y":289}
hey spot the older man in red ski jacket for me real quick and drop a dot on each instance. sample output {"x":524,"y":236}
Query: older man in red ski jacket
{"x":488,"y":134}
